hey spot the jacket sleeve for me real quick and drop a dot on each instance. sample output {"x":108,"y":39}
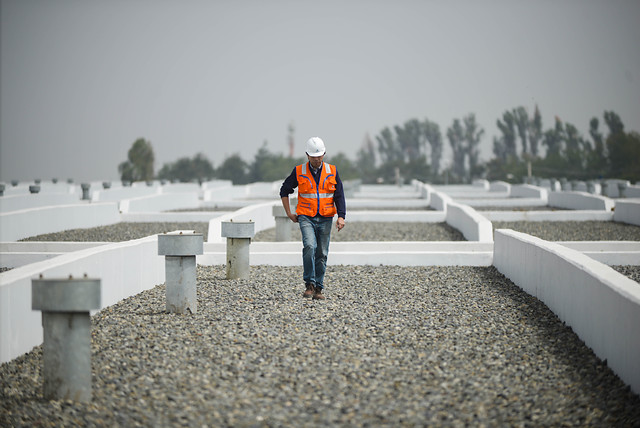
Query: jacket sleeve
{"x":338,"y":198}
{"x":289,"y":184}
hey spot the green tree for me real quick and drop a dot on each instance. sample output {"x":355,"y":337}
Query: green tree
{"x":186,"y":170}
{"x":597,"y":160}
{"x":434,"y":138}
{"x":268,"y":166}
{"x":507,"y":127}
{"x":472,"y":135}
{"x":535,"y":131}
{"x":346,"y":169}
{"x":139,"y":163}
{"x":366,"y":161}
{"x":455,"y":134}
{"x":521,"y":119}
{"x":624,"y":155}
{"x":388,"y":147}
{"x":234,"y":168}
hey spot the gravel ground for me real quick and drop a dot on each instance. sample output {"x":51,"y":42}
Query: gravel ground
{"x":391,"y":346}
{"x":120,"y":232}
{"x":379,"y":231}
{"x":574,"y":230}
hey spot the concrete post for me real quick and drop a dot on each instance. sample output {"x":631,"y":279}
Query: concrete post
{"x":65,"y":306}
{"x":85,"y":191}
{"x":34,"y":188}
{"x":238,"y":236}
{"x":283,"y":224}
{"x":180,"y":249}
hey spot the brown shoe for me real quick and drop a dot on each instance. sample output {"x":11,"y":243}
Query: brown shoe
{"x":318,"y":294}
{"x":309,"y":291}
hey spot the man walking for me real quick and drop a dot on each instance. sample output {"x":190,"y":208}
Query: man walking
{"x":320,"y":197}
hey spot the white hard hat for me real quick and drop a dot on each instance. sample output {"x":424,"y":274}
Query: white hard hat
{"x":315,"y":146}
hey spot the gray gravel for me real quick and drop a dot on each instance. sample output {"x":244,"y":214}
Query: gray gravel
{"x":574,"y":230}
{"x":120,"y":232}
{"x":391,"y":346}
{"x":379,"y":231}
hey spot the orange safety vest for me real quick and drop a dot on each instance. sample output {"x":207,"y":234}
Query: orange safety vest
{"x":312,"y":198}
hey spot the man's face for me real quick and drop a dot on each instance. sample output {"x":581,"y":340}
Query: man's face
{"x":315,"y":161}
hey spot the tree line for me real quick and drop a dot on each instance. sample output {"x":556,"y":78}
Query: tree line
{"x":415,"y":150}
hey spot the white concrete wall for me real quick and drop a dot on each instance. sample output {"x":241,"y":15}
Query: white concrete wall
{"x":24,"y":202}
{"x":160,"y":202}
{"x":580,"y":201}
{"x":601,"y":305}
{"x":439,"y":201}
{"x":529,"y":191}
{"x":222,"y":192}
{"x":472,"y":225}
{"x":627,"y":211}
{"x":261,"y":214}
{"x":124,"y":268}
{"x":500,"y":186}
{"x":481,"y":184}
{"x":118,"y":193}
{"x":612,"y":189}
{"x":583,"y":215}
{"x":414,"y":216}
{"x":632,"y":191}
{"x":21,"y":224}
{"x":362,"y":253}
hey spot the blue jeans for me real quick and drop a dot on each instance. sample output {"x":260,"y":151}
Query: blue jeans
{"x":316,"y":234}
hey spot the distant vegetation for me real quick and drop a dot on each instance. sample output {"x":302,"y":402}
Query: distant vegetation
{"x":414,"y":150}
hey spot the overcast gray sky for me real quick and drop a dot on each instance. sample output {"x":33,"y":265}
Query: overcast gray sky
{"x":81,"y":80}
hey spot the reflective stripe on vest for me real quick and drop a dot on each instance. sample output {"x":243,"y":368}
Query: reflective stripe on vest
{"x":313,"y":195}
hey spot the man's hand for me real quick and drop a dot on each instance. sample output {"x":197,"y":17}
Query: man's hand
{"x":339,"y":223}
{"x":293,"y":217}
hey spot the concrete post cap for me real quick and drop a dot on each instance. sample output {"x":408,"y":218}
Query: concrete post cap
{"x":65,"y":294}
{"x":237,"y":229}
{"x":180,"y":243}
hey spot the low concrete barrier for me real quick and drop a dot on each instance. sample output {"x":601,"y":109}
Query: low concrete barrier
{"x":160,"y":202}
{"x":500,"y":186}
{"x":439,"y":201}
{"x":21,"y":224}
{"x":529,"y":191}
{"x":36,"y":200}
{"x":601,"y":305}
{"x":125,"y":269}
{"x":261,"y":214}
{"x":119,"y":193}
{"x":473,"y":226}
{"x":481,"y":184}
{"x":627,"y":211}
{"x":580,"y":201}
{"x":632,"y":191}
{"x":612,"y":187}
{"x":415,"y":216}
{"x":460,"y":253}
{"x":582,"y":215}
